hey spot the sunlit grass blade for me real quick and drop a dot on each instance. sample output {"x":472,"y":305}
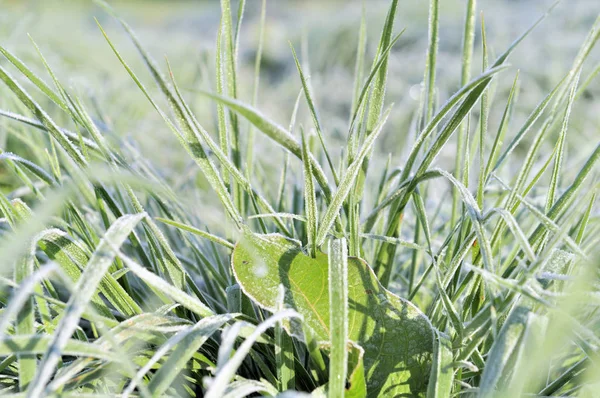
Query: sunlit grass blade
{"x":313,"y":112}
{"x":310,"y":202}
{"x":504,"y":346}
{"x":196,"y":231}
{"x":338,"y":316}
{"x":560,"y":144}
{"x":442,"y":372}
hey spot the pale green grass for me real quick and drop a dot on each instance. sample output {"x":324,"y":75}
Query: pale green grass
{"x":469,"y":196}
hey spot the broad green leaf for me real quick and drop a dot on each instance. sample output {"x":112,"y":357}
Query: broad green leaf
{"x":396,"y":336}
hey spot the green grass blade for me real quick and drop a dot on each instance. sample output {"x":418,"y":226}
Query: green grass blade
{"x":313,"y":113}
{"x":338,"y":316}
{"x":442,"y":372}
{"x":508,"y":340}
{"x":310,"y":201}
{"x":560,"y":144}
{"x":434,"y":23}
{"x":196,"y":231}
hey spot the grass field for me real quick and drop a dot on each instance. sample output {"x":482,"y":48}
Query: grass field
{"x":388,"y":198}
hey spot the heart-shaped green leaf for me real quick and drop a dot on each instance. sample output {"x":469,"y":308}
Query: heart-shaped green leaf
{"x":396,"y":336}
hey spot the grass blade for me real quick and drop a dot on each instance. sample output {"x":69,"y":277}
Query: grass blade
{"x":338,"y":316}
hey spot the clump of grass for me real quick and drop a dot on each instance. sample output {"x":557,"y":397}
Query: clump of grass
{"x":111,"y":285}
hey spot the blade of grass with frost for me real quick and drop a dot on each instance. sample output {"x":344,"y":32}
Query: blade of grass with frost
{"x":276,"y":133}
{"x":475,"y":216}
{"x":284,"y":351}
{"x":25,"y":323}
{"x":378,"y":92}
{"x":32,"y":167}
{"x":475,"y":84}
{"x":432,"y":51}
{"x":338,"y":316}
{"x":184,"y":345}
{"x":358,"y":73}
{"x":86,"y":286}
{"x":221,"y":156}
{"x":42,"y":116}
{"x":221,"y":118}
{"x":38,"y":344}
{"x":502,"y":128}
{"x":310,"y":200}
{"x":517,"y":232}
{"x":507,"y":342}
{"x":187,"y":301}
{"x":533,"y":117}
{"x":170,"y":264}
{"x":569,"y":195}
{"x":38,"y":82}
{"x":584,"y":51}
{"x":196,"y":231}
{"x":21,"y":293}
{"x":223,"y":377}
{"x":257,"y":64}
{"x":34,"y":123}
{"x":362,"y":97}
{"x":468,"y":40}
{"x":419,"y":223}
{"x":238,"y":29}
{"x":189,"y":141}
{"x":313,"y":113}
{"x":584,"y":86}
{"x":560,"y":144}
{"x":585,"y":220}
{"x":442,"y":372}
{"x":245,"y":388}
{"x":483,"y":117}
{"x":231,"y":78}
{"x":348,"y":181}
{"x":393,"y":241}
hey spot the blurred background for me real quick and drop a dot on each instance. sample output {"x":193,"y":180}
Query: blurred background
{"x":324,"y":33}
